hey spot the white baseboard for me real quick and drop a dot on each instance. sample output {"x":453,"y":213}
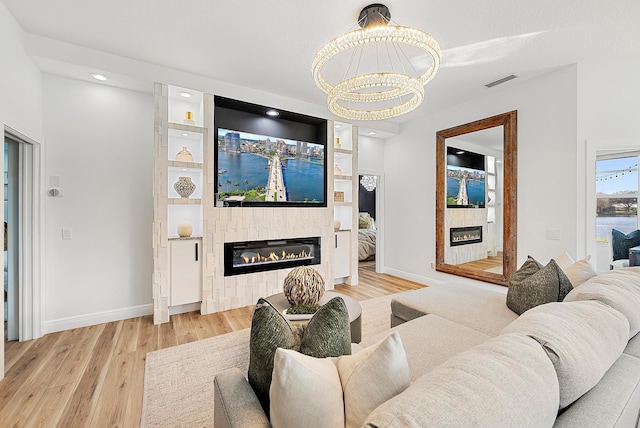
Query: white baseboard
{"x":69,"y":323}
{"x":181,"y":309}
{"x":412,"y":277}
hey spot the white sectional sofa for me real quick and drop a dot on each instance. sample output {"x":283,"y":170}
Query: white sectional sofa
{"x":474,"y":363}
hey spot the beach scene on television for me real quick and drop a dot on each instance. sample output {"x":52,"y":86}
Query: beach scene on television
{"x":465,"y":187}
{"x":265,"y":168}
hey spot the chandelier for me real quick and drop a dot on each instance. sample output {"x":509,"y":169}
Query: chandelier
{"x":374,"y":72}
{"x":369,"y":182}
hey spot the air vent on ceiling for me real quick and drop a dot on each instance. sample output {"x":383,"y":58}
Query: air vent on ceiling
{"x":499,"y":81}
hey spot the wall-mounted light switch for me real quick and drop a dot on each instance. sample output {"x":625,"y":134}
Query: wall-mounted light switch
{"x":553,"y":234}
{"x":67,"y":233}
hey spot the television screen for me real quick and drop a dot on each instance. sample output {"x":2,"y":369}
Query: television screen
{"x":465,"y":179}
{"x":255,"y":169}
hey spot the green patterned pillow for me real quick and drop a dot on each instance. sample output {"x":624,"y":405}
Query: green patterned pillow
{"x":534,"y":285}
{"x":327,"y":334}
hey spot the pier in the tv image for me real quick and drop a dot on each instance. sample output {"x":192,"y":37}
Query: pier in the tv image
{"x":262,"y":168}
{"x":465,"y":179}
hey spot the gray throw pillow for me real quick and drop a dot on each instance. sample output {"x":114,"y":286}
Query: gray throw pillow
{"x":621,"y":243}
{"x":534,"y":285}
{"x":327,"y":334}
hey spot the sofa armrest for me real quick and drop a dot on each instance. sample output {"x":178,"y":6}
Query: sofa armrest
{"x":235,"y":403}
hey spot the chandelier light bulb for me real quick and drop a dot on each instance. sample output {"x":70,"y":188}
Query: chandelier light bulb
{"x":398,"y":91}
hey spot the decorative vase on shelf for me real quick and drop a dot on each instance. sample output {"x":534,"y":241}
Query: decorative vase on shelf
{"x":338,"y":143}
{"x":189,"y":119}
{"x":184,"y":155}
{"x":184,"y":229}
{"x":184,"y":186}
{"x":337,"y":170}
{"x":336,"y":224}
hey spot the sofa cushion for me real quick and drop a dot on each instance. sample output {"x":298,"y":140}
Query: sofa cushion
{"x":309,"y":392}
{"x":270,"y":330}
{"x":474,"y":306}
{"x":621,"y":243}
{"x":633,"y":347}
{"x":613,"y":402}
{"x":430,"y":341}
{"x":582,"y":340}
{"x":507,"y":381}
{"x":619,"y":289}
{"x":534,"y":285}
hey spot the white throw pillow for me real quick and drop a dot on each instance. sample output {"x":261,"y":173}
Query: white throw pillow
{"x":307,"y":391}
{"x":371,"y":377}
{"x":564,"y":260}
{"x":580,"y":272}
{"x":577,"y":272}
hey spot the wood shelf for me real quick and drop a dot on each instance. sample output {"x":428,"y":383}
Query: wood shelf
{"x":186,"y":128}
{"x":184,"y":201}
{"x":178,"y":164}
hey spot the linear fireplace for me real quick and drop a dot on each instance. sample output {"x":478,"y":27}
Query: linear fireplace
{"x":465,"y":235}
{"x":258,"y":256}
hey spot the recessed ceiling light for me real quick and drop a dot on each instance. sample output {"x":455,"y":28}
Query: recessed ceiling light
{"x":460,"y":152}
{"x":372,"y":133}
{"x":99,"y":77}
{"x":184,"y":134}
{"x":185,"y":94}
{"x":272,"y":113}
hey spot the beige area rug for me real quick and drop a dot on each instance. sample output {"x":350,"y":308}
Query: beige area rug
{"x":178,"y":381}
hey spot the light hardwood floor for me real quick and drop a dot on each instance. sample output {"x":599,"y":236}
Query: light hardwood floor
{"x":93,"y":376}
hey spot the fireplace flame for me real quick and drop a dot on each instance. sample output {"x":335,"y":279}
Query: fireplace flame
{"x":273,"y":257}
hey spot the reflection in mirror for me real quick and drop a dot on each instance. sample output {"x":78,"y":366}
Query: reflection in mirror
{"x":476,"y":195}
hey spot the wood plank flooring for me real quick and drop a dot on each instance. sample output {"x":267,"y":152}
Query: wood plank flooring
{"x":93,"y":376}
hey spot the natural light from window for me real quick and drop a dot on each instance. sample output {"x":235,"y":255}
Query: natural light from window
{"x":616,"y":195}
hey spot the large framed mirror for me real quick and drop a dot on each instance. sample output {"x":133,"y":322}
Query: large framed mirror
{"x":476,"y":199}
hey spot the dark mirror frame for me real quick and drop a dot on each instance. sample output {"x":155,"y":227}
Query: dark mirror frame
{"x":509,"y":122}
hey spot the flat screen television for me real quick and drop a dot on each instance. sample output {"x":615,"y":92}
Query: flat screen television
{"x":266,"y":170}
{"x":465,"y":179}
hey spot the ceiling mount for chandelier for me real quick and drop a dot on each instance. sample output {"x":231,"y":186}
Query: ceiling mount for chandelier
{"x":373,"y":72}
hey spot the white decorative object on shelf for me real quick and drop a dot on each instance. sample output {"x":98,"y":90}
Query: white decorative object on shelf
{"x":337,"y":170}
{"x":185,"y":229}
{"x":184,"y":186}
{"x":184,"y":155}
{"x":189,"y":119}
{"x":336,"y":224}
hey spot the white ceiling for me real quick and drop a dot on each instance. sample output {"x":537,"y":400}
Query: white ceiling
{"x":269,"y":45}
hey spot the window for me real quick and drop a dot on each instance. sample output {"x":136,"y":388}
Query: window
{"x":616,"y":194}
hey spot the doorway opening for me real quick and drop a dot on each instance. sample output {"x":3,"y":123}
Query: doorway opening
{"x":23,"y":239}
{"x":370,"y":220}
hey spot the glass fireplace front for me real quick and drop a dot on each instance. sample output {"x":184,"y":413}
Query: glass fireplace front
{"x":465,"y":235}
{"x":258,"y":256}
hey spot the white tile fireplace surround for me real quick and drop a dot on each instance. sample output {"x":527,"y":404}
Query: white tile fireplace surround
{"x":233,"y":224}
{"x":464,"y":218}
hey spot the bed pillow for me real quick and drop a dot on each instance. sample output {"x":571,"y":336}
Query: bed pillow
{"x":328,"y":334}
{"x":621,"y":243}
{"x":534,"y":285}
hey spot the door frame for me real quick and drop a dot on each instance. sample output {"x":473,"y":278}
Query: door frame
{"x":30,"y":236}
{"x":379,"y":220}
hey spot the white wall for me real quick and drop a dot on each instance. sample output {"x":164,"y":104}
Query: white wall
{"x":100,"y":143}
{"x":546,"y":177}
{"x":370,"y":154}
{"x":608,"y":109}
{"x":20,"y":81}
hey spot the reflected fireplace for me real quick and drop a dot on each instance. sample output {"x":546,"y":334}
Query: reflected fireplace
{"x":465,"y":235}
{"x":258,"y":256}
